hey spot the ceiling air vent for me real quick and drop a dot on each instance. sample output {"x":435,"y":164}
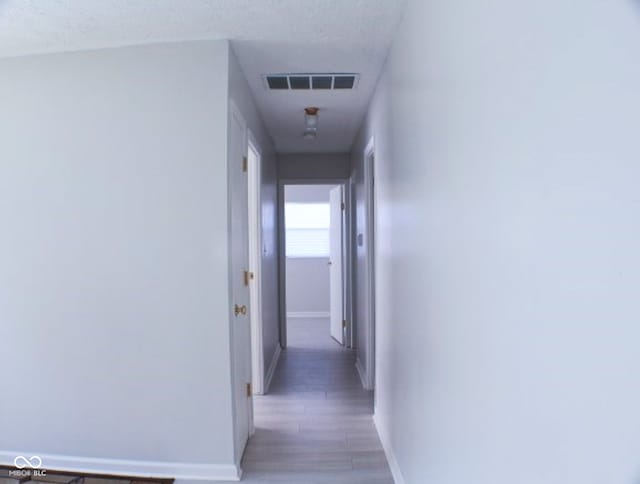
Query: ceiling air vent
{"x":278,"y":82}
{"x":343,"y":82}
{"x":299,"y":82}
{"x":322,"y":82}
{"x":311,"y":81}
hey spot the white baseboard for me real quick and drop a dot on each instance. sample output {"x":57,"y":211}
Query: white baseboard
{"x":136,"y":468}
{"x":362,"y":374}
{"x":272,"y":368}
{"x":388,"y":451}
{"x":308,"y":314}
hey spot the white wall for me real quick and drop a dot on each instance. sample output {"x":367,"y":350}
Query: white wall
{"x":305,"y":166}
{"x":241,"y":95}
{"x":308,"y":286}
{"x":308,"y":193}
{"x":114,"y":336}
{"x":508,"y":269}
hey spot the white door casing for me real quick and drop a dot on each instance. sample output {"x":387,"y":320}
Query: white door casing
{"x":335,"y":264}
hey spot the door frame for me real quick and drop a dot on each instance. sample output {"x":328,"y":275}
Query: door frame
{"x":347,"y":269}
{"x":254,"y":172}
{"x":370,"y":197}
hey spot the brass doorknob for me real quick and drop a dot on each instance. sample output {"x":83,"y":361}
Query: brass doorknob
{"x":238,"y":309}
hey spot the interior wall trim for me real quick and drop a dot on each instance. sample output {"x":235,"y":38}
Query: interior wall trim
{"x":180,"y":471}
{"x":398,"y":478}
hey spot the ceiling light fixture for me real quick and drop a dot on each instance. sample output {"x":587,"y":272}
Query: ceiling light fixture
{"x":311,"y":122}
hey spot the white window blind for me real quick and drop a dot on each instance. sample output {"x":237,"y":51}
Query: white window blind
{"x":307,"y":229}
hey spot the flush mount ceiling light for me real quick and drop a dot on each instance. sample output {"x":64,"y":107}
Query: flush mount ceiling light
{"x":311,"y":122}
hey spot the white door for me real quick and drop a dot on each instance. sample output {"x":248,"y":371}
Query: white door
{"x":255,"y":266}
{"x":335,"y":263}
{"x":239,"y":252}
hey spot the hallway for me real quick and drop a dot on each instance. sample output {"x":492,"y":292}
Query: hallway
{"x":315,"y":425}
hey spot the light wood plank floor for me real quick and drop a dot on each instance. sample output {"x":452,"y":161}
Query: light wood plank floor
{"x":315,"y":426}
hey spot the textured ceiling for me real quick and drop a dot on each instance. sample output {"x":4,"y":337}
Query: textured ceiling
{"x":267,"y":36}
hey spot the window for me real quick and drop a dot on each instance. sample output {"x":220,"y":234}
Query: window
{"x":307,"y":229}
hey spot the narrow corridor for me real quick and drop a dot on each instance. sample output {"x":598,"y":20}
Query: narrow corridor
{"x":315,"y":425}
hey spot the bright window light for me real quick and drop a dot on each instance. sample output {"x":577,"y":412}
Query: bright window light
{"x":307,"y":229}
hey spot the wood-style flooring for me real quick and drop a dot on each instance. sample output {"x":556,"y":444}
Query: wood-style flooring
{"x":315,"y":426}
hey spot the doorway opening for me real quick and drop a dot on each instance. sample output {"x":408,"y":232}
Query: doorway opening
{"x":314,"y":263}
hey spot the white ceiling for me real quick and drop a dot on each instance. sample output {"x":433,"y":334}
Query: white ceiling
{"x":268,"y":36}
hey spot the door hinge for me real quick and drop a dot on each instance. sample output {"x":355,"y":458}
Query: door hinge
{"x":249,"y":390}
{"x":342,"y":205}
{"x":248,"y":276}
{"x":344,"y":323}
{"x":245,"y":164}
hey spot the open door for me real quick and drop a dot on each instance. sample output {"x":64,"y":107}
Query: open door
{"x":255,"y":266}
{"x":239,"y":252}
{"x":335,"y":264}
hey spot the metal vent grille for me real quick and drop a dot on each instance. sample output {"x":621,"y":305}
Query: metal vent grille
{"x":278,"y":82}
{"x":311,"y":81}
